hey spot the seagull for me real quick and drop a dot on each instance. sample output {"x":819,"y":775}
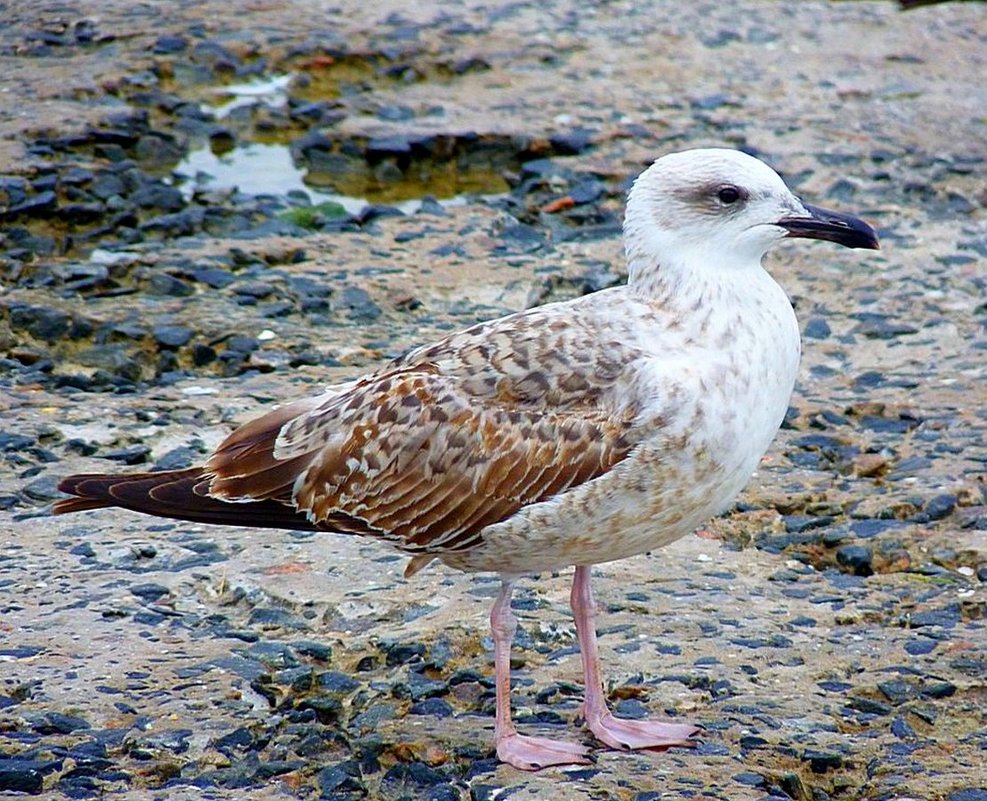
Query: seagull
{"x":570,"y":434}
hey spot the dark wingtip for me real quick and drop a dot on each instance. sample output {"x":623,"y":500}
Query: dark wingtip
{"x":174,"y":494}
{"x":99,"y":490}
{"x":68,"y":505}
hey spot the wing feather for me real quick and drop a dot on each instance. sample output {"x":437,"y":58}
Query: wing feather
{"x":437,"y":473}
{"x":426,"y":452}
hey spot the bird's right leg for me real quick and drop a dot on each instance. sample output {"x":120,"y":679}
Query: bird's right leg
{"x":525,"y":753}
{"x":615,"y":732}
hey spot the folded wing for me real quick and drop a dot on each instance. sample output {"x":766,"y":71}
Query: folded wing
{"x":425,"y":453}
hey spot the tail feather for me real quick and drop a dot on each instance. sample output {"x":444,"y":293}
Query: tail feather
{"x":175,"y":494}
{"x":77,"y":505}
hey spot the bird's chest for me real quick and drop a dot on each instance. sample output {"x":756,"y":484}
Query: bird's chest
{"x":727,"y":393}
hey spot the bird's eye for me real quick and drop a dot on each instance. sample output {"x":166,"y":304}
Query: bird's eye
{"x":728,"y":195}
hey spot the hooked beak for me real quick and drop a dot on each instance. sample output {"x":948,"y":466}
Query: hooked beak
{"x":844,"y":229}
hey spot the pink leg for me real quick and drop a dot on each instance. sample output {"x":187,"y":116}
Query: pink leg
{"x":525,"y":753}
{"x":615,"y":732}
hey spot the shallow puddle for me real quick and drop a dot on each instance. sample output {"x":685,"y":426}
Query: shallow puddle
{"x":204,"y":129}
{"x":271,"y":92}
{"x":271,"y":169}
{"x":352,"y":171}
{"x":254,"y":169}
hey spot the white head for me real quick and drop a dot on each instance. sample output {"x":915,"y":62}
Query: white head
{"x":721,"y":209}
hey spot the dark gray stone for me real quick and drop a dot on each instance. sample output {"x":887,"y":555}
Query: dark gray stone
{"x":946,"y":617}
{"x":41,"y":322}
{"x":237,"y":740}
{"x":178,"y":458}
{"x":297,"y":678}
{"x":897,"y":691}
{"x":58,"y":723}
{"x":586,"y":191}
{"x":106,"y":185}
{"x":880,"y":326}
{"x":822,"y":761}
{"x":216,"y":277}
{"x":631,"y":708}
{"x":169,"y":44}
{"x":798,"y":523}
{"x":817,"y":328}
{"x":156,"y":195}
{"x":520,"y":238}
{"x":858,"y":559}
{"x":273,"y":654}
{"x":939,"y":507}
{"x":433,"y":707}
{"x":181,"y":223}
{"x":42,"y":204}
{"x":24,"y":775}
{"x":968,"y":794}
{"x":150,"y":746}
{"x":172,"y":336}
{"x":337,"y":683}
{"x":938,"y":689}
{"x":403,"y":653}
{"x":921,"y":646}
{"x":255,"y":289}
{"x":901,"y":729}
{"x":359,"y":305}
{"x":342,"y":780}
{"x":149,"y":592}
{"x":242,"y":344}
{"x":750,"y":779}
{"x":131,"y":455}
{"x":571,"y":143}
{"x":406,"y":776}
{"x":14,"y":442}
{"x":868,"y":706}
{"x":168,"y":285}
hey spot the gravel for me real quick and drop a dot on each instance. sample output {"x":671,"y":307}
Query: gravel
{"x":827,"y":631}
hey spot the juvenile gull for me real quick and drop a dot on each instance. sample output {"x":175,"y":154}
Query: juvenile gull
{"x":570,"y":434}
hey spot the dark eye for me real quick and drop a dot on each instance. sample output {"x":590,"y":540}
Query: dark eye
{"x":728,"y":195}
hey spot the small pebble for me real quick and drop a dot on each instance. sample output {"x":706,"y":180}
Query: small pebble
{"x":858,"y":559}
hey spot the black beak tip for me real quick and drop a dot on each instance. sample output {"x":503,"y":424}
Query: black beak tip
{"x":863,"y":235}
{"x":873,"y":243}
{"x":868,"y":239}
{"x":833,"y":226}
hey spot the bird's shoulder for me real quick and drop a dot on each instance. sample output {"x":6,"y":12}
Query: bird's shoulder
{"x":561,"y":355}
{"x":553,"y":362}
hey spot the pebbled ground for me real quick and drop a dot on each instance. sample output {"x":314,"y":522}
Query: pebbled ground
{"x":828,"y":632}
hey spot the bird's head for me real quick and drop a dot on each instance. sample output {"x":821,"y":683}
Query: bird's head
{"x":725,"y":209}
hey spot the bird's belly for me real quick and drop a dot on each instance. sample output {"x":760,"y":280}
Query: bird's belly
{"x":643,"y":504}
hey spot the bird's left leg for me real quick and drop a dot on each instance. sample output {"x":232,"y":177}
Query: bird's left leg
{"x":615,"y":732}
{"x":520,"y":750}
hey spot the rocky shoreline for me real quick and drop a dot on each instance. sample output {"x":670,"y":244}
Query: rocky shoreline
{"x":442,"y":167}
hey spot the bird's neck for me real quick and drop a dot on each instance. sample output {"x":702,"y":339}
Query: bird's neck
{"x":689,"y":285}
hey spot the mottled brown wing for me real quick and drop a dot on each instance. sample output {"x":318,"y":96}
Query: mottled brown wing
{"x":246,"y":463}
{"x":423,"y":463}
{"x":446,"y":440}
{"x":425,"y":452}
